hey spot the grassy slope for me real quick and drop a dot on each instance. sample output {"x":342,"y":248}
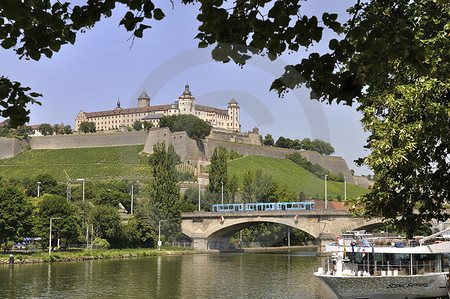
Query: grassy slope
{"x":101,"y":162}
{"x":293,"y":176}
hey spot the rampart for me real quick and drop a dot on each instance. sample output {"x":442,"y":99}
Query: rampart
{"x":88,"y":140}
{"x":187,"y":148}
{"x":10,"y":147}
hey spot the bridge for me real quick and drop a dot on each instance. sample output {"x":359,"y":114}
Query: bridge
{"x":212,"y":230}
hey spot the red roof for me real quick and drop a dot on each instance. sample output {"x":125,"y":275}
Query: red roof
{"x":127,"y":111}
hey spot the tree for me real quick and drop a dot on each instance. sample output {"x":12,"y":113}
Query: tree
{"x":137,"y":125}
{"x":112,"y":198}
{"x":218,"y":170}
{"x":106,"y":223}
{"x":67,"y":129}
{"x":56,"y":129}
{"x":390,"y":55}
{"x":164,"y":191}
{"x":47,"y":184}
{"x":268,"y":140}
{"x":322,"y":147}
{"x":66,"y":226}
{"x":45,"y":129}
{"x":87,"y":127}
{"x":15,"y":213}
{"x":147,"y":125}
{"x":193,"y":126}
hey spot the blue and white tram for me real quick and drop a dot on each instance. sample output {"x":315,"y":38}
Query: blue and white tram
{"x":228,"y":207}
{"x":263,"y":206}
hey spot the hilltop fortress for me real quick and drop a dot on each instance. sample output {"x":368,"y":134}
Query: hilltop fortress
{"x":189,"y":149}
{"x":226,"y":132}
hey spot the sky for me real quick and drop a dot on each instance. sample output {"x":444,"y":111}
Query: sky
{"x":104,"y":65}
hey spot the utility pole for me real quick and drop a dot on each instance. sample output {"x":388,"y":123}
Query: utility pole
{"x":345,"y":188}
{"x":50,"y":236}
{"x":326,"y":198}
{"x":69,"y":187}
{"x":132,"y":198}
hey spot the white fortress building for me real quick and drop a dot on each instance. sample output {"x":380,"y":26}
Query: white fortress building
{"x":220,"y":119}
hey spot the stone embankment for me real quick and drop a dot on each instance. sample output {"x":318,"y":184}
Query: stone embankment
{"x":91,"y":257}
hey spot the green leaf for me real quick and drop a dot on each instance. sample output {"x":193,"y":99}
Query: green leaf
{"x":158,"y":14}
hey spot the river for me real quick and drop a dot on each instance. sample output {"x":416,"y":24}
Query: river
{"x":255,"y":275}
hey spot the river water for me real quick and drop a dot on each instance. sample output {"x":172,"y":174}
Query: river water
{"x":256,"y":275}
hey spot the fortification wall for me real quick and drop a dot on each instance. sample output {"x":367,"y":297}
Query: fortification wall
{"x":335,"y":165}
{"x":248,"y":138}
{"x":362,"y":181}
{"x":88,"y":140}
{"x":10,"y":147}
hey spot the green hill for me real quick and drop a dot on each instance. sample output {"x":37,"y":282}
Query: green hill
{"x":90,"y":163}
{"x":293,"y":176}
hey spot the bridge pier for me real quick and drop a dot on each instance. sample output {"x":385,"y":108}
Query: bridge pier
{"x":323,"y":239}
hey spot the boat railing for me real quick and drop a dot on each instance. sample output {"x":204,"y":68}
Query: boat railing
{"x":386,"y":268}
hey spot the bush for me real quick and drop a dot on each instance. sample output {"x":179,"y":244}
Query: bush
{"x":101,"y":243}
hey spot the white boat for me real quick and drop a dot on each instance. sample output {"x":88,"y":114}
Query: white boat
{"x":366,"y":266}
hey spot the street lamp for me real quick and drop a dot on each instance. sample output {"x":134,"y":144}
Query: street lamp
{"x":159,"y":234}
{"x":39,"y":184}
{"x":199,"y":206}
{"x":82,"y":180}
{"x":326,"y":198}
{"x":345,"y":188}
{"x":132,"y":198}
{"x":222,"y":192}
{"x":50,"y":236}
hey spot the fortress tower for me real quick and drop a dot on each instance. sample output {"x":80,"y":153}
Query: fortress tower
{"x":143,"y":100}
{"x":234,"y":115}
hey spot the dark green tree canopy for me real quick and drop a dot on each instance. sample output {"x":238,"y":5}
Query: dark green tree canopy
{"x":15,"y":213}
{"x":87,"y":127}
{"x":194,"y":127}
{"x":46,"y":129}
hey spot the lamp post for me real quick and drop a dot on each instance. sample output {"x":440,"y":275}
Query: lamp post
{"x":345,"y":188}
{"x":39,"y":184}
{"x":50,"y":236}
{"x":82,"y":180}
{"x":326,"y":198}
{"x":199,"y":206}
{"x":159,"y":234}
{"x":132,"y":198}
{"x":222,"y":192}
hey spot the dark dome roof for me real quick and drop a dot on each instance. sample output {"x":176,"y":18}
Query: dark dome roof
{"x":186,"y":91}
{"x":233,"y":101}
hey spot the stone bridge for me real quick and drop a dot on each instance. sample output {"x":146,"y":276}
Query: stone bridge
{"x":212,"y":230}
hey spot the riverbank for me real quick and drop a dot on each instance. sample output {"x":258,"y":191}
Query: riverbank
{"x":87,"y":254}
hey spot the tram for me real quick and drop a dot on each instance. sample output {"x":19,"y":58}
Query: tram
{"x":264,"y":206}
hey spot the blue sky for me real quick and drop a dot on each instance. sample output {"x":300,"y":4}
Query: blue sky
{"x":104,"y":65}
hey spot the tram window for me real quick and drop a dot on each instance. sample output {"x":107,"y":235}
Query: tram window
{"x":236,"y":208}
{"x":302,"y":206}
{"x":289,"y":206}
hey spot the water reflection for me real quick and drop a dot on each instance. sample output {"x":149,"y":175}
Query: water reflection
{"x":283,"y":275}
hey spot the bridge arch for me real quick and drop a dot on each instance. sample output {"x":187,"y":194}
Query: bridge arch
{"x":216,"y":228}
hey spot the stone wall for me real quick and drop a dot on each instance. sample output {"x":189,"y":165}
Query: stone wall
{"x":10,"y":147}
{"x":88,"y":140}
{"x":248,"y":138}
{"x":362,"y":181}
{"x":335,"y":165}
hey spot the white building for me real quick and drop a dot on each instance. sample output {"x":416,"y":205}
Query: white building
{"x":220,"y":119}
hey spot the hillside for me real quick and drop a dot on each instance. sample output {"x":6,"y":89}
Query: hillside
{"x":90,"y":163}
{"x":293,"y":176}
